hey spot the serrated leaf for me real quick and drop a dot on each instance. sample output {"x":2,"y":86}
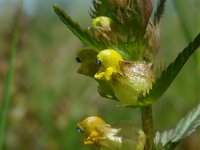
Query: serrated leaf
{"x":159,"y":11}
{"x":101,"y":8}
{"x":184,"y":128}
{"x":168,"y":75}
{"x":82,"y":34}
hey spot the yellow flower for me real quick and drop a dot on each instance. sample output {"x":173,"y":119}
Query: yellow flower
{"x":118,"y":79}
{"x":89,"y":127}
{"x":89,"y":67}
{"x":117,"y":136}
{"x":109,"y":61}
{"x":128,"y":79}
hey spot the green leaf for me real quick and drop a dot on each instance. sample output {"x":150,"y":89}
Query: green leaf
{"x":186,"y":126}
{"x":102,"y":8}
{"x":168,"y":75}
{"x":83,"y":35}
{"x":159,"y":11}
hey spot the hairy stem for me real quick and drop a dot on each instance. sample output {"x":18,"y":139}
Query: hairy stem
{"x":147,"y":121}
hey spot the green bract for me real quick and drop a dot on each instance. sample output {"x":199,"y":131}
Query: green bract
{"x":135,"y":80}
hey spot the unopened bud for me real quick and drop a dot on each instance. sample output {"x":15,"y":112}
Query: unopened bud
{"x":102,"y":28}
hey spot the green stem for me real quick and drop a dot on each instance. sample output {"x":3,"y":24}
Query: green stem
{"x":147,"y":121}
{"x":9,"y":78}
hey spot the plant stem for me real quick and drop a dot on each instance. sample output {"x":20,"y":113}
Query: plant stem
{"x":147,"y":121}
{"x":9,"y":77}
{"x":6,"y":94}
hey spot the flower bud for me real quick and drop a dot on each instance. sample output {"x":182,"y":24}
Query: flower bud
{"x":117,"y":136}
{"x":102,"y":28}
{"x":135,"y":80}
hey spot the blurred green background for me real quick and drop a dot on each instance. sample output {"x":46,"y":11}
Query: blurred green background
{"x":48,"y":97}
